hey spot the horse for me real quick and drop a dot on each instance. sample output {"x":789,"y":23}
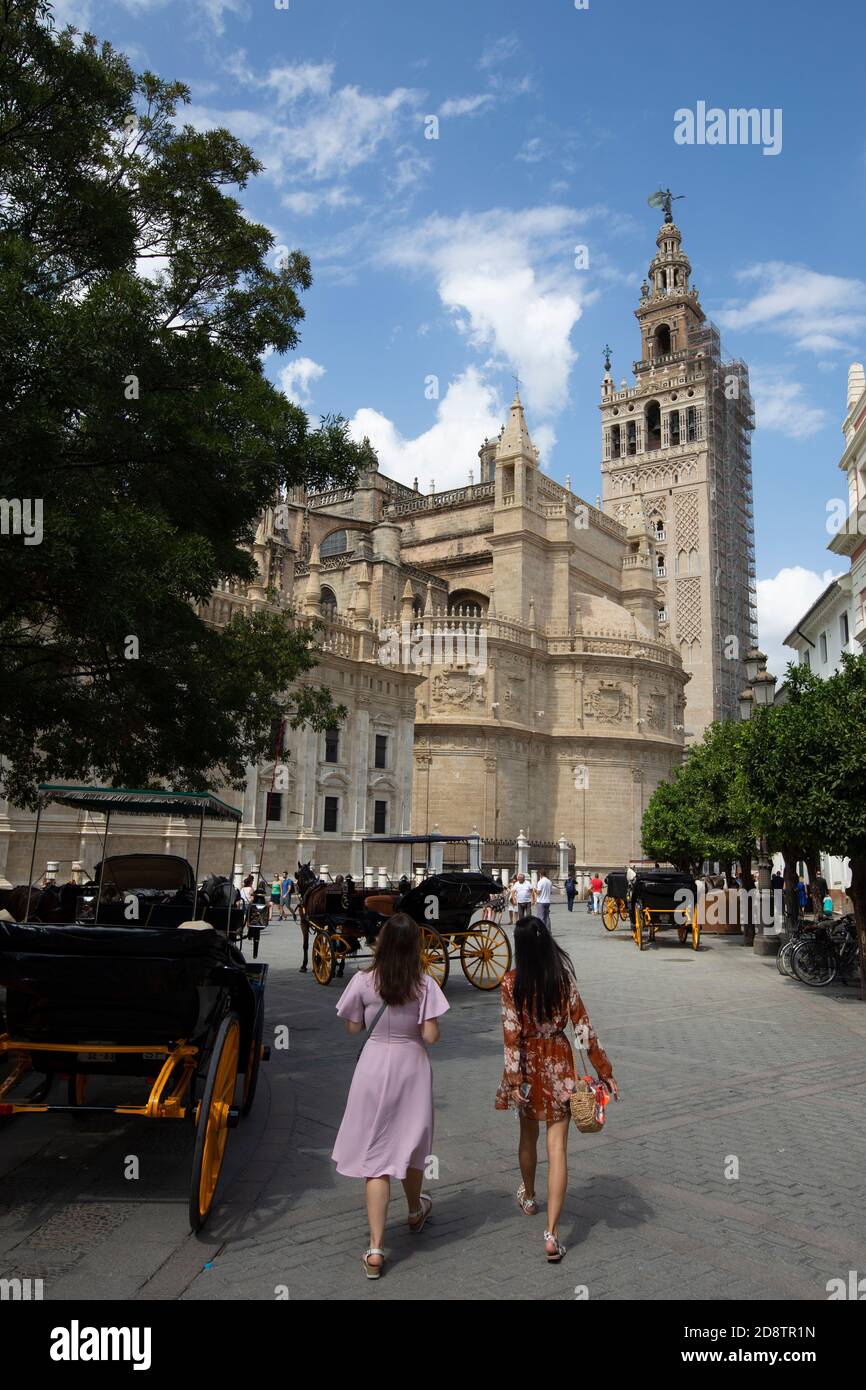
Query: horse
{"x":305,"y":879}
{"x":36,"y":903}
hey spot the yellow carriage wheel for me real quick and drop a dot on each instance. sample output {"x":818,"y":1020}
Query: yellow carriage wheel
{"x":610,"y":912}
{"x":434,"y":956}
{"x":213,"y":1122}
{"x":323,"y":957}
{"x":485,"y":955}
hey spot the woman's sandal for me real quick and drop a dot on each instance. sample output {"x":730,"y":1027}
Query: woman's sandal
{"x":373,"y":1271}
{"x":420,"y":1217}
{"x":551,"y":1239}
{"x":527,"y":1204}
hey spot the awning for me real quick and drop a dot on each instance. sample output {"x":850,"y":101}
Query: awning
{"x":136,"y":802}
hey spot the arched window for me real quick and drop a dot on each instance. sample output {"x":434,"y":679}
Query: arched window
{"x":653,"y":425}
{"x":662,"y":340}
{"x":466,"y":604}
{"x":328,"y":602}
{"x":335,"y":544}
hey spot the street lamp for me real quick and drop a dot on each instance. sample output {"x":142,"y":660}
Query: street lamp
{"x":755,"y":661}
{"x":759,"y":694}
{"x":747,"y":701}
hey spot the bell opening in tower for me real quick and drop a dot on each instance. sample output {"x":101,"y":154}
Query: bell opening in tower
{"x":662,"y":341}
{"x":653,"y":425}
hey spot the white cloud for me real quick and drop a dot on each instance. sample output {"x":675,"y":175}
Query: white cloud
{"x":782,"y":602}
{"x":499,"y":51}
{"x":318,"y":130}
{"x":819,"y":312}
{"x":467,"y":106}
{"x":469,"y":411}
{"x":531,"y":151}
{"x":298,"y":376}
{"x":781,"y":405}
{"x":507,"y":278}
{"x":304,"y":203}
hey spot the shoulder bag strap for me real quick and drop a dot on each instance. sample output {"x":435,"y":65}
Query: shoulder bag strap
{"x":379,"y":1014}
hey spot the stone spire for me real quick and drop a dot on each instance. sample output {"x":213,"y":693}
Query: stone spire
{"x":515,"y":440}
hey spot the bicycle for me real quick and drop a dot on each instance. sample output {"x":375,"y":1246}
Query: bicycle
{"x":818,"y":960}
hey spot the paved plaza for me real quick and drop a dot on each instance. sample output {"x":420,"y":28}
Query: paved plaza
{"x":723,"y":1066}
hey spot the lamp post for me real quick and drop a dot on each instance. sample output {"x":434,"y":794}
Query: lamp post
{"x":759,"y":694}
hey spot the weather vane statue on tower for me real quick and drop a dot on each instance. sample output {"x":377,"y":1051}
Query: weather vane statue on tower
{"x":663,"y":198}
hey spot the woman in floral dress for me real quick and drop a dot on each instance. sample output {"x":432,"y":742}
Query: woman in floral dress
{"x":538,"y":998}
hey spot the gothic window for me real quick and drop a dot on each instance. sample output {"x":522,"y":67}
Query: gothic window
{"x":465,"y":604}
{"x":694,"y":562}
{"x":615,"y":443}
{"x":674,"y":419}
{"x":660,"y":565}
{"x":691,"y":424}
{"x":335,"y":544}
{"x":328,"y":603}
{"x":660,"y":529}
{"x":631,"y":437}
{"x":653,"y":425}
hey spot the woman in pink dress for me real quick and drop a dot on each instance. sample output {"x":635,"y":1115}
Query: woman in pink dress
{"x":387,"y":1127}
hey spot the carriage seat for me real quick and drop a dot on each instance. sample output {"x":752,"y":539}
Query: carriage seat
{"x":76,"y":983}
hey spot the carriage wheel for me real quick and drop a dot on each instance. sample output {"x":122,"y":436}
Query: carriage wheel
{"x":485,"y":955}
{"x":434,"y":956}
{"x":610,"y":912}
{"x":324,"y":958}
{"x":254,"y":1061}
{"x":696,"y":933}
{"x":215,"y":1116}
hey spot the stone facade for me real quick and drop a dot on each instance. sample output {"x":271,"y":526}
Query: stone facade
{"x":677,"y":442}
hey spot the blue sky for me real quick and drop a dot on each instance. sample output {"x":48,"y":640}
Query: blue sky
{"x":455,"y":257}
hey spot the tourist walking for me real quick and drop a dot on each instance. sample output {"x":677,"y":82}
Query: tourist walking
{"x":524,"y":896}
{"x":512,"y":900}
{"x":276,"y":893}
{"x":543,"y":889}
{"x":597,"y":886}
{"x":570,"y":890}
{"x":287,"y":887}
{"x":387,"y":1126}
{"x":539,"y":996}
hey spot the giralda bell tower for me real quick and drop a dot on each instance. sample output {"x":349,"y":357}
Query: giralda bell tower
{"x":677,"y":443}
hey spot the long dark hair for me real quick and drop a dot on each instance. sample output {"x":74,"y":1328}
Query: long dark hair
{"x":543,"y":972}
{"x":397,"y":968}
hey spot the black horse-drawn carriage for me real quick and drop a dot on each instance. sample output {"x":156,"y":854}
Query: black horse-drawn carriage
{"x":652,"y":900}
{"x":346,"y":917}
{"x":143,"y":978}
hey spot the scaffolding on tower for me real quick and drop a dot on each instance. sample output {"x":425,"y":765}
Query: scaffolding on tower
{"x":730,"y":420}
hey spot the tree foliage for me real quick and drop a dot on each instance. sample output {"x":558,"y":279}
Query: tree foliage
{"x":138,"y":302}
{"x":706,"y":811}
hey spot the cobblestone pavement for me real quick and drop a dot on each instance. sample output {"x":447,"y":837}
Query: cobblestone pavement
{"x":719,"y":1059}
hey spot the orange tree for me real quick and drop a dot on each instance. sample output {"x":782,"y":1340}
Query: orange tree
{"x":805,"y":768}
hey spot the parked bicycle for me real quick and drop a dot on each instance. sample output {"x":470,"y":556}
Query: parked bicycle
{"x":822,"y":956}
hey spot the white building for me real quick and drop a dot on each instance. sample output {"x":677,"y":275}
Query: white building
{"x":850,"y":539}
{"x":836,"y":621}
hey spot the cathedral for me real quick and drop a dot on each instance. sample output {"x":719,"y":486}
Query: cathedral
{"x":514,"y":661}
